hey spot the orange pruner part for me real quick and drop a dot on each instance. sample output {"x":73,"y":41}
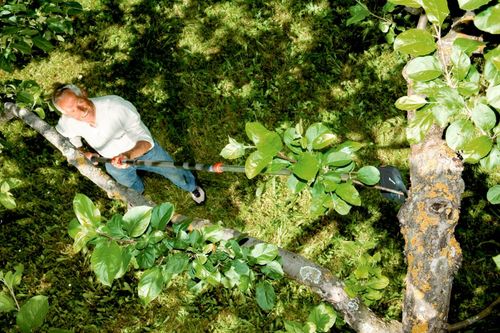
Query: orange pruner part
{"x":217,"y":167}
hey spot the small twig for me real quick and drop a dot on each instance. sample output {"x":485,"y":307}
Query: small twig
{"x":378,"y":187}
{"x":13,"y":295}
{"x":473,"y":319}
{"x":119,"y":241}
{"x":286,"y":158}
{"x":374,"y":15}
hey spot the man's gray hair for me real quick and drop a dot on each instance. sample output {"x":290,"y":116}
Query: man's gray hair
{"x":59,"y":92}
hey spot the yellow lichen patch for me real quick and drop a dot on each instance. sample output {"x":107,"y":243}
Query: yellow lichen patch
{"x":425,"y":286}
{"x":420,"y":328}
{"x":410,"y":259}
{"x":424,"y":219}
{"x":441,"y":190}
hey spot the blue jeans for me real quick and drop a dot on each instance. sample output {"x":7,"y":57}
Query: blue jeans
{"x":128,"y":177}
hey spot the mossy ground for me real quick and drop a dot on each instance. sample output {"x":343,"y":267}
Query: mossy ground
{"x":197,"y":71}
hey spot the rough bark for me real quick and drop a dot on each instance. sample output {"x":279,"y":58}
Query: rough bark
{"x":428,"y":220}
{"x":296,"y":267}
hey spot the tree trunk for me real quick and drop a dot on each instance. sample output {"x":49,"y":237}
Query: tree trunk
{"x":296,"y":267}
{"x":428,"y":220}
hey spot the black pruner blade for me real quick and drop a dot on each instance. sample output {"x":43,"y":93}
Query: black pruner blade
{"x":391,"y":178}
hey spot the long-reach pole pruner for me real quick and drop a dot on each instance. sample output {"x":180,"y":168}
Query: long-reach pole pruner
{"x":390,"y":176}
{"x":218,"y":167}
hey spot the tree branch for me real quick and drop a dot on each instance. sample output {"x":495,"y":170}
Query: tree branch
{"x":296,"y":267}
{"x":473,"y":319}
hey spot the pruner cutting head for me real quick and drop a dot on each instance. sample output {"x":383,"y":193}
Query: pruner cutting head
{"x":391,"y":178}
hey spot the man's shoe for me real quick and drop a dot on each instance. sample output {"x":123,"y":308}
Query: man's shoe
{"x":198,"y":195}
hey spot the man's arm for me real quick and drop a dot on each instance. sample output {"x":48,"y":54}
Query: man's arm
{"x":140,"y":148}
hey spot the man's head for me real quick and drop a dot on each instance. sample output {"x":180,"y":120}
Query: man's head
{"x":73,"y":102}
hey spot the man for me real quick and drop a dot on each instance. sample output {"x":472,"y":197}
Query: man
{"x":113,"y":128}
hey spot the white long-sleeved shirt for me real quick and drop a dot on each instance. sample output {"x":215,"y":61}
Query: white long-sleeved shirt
{"x":118,"y":127}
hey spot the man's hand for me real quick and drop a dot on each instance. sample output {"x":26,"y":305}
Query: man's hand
{"x":117,"y":161}
{"x":88,"y":155}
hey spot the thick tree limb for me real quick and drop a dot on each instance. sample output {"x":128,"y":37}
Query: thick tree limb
{"x":428,"y":220}
{"x":296,"y":267}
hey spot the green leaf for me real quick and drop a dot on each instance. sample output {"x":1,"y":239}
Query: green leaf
{"x":468,"y":45}
{"x":233,"y":150}
{"x":161,"y":215}
{"x":319,"y":136}
{"x":424,"y":68}
{"x":307,"y":166}
{"x":358,"y":13}
{"x":348,"y":192}
{"x":264,"y":253}
{"x":442,"y":114}
{"x":419,"y":125}
{"x":470,"y":86}
{"x":459,"y":133}
{"x":265,"y":295}
{"x":42,"y":43}
{"x":484,"y":117}
{"x":6,"y":303}
{"x":460,"y":62}
{"x":136,"y":220}
{"x":273,"y":269}
{"x":450,"y":99}
{"x":489,"y":20}
{"x":32,"y":313}
{"x":413,"y":102}
{"x":477,"y":148}
{"x":331,"y":180}
{"x":151,"y":284}
{"x":493,"y":57}
{"x":86,"y":212}
{"x":493,"y":96}
{"x":409,"y":3}
{"x":493,"y":195}
{"x":415,"y":42}
{"x":340,"y":206}
{"x":337,"y":159}
{"x":177,"y":263}
{"x":256,"y":162}
{"x":269,"y":143}
{"x":109,"y":261}
{"x":373,"y":295}
{"x":369,"y":175}
{"x":7,"y":200}
{"x":323,"y":317}
{"x":295,"y":185}
{"x":214,"y":233}
{"x":436,"y":10}
{"x":22,"y":46}
{"x":472,"y":4}
{"x":293,"y":327}
{"x":114,"y":227}
{"x":146,"y":257}
{"x":378,"y":283}
{"x":349,"y":147}
{"x":496,"y":259}
{"x":492,"y":161}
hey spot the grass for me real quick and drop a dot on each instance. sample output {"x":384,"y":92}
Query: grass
{"x":197,"y":71}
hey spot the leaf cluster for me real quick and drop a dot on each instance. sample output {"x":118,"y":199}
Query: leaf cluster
{"x":140,"y":239}
{"x":452,"y":90}
{"x":33,"y":25}
{"x":32,"y":313}
{"x":315,"y":160}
